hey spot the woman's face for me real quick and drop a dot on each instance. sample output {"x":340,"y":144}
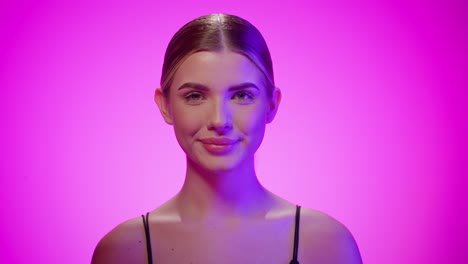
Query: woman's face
{"x":219,"y":107}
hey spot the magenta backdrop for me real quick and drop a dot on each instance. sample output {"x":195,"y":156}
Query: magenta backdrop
{"x":372,"y":128}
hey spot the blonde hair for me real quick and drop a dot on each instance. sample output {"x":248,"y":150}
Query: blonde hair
{"x":217,"y":32}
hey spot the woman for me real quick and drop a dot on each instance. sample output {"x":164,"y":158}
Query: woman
{"x":218,"y":92}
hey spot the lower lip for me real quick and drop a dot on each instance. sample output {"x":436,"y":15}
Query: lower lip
{"x":218,"y":149}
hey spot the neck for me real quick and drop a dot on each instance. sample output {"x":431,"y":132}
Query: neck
{"x":231,"y":193}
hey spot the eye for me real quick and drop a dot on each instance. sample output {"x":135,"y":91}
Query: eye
{"x":243,"y":97}
{"x":194,"y":97}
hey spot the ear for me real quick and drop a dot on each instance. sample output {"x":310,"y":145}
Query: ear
{"x":273,"y":104}
{"x":163,"y":105}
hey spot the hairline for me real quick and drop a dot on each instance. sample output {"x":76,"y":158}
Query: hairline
{"x":223,"y":48}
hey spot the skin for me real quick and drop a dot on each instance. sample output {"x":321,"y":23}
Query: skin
{"x":222,"y":214}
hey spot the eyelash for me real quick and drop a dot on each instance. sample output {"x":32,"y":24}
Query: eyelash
{"x":250,"y":97}
{"x":189,"y":97}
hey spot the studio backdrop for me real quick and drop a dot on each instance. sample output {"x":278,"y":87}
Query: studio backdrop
{"x":372,"y":128}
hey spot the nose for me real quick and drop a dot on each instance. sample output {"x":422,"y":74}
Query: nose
{"x":220,"y":117}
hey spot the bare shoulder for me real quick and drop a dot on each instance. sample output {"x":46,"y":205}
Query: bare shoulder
{"x":124,"y":244}
{"x":324,"y":239}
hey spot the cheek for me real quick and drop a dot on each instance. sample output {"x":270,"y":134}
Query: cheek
{"x":185,"y":122}
{"x":252,"y":123}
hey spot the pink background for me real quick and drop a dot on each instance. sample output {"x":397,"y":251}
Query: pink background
{"x":372,"y":128}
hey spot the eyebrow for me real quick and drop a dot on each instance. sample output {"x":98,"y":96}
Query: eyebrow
{"x":205,"y":88}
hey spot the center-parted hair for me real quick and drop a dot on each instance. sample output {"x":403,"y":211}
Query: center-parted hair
{"x":217,"y":32}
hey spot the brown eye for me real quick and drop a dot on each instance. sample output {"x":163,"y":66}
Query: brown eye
{"x":243,"y":97}
{"x":194,"y":97}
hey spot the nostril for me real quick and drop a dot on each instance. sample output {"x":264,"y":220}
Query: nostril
{"x":225,"y":126}
{"x":220,"y":124}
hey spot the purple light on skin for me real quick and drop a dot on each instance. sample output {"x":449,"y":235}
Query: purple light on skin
{"x":372,"y":127}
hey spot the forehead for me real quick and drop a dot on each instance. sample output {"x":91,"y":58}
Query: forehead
{"x":217,"y":70}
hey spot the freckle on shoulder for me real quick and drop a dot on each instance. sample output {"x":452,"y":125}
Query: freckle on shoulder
{"x":124,"y":243}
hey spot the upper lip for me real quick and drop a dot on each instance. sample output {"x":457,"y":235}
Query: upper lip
{"x":219,"y":141}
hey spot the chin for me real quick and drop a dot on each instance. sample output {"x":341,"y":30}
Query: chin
{"x":218,"y":164}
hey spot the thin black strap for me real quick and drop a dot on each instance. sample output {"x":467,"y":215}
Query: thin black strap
{"x":296,"y":236}
{"x":148,"y":239}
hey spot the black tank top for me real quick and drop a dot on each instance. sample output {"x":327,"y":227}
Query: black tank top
{"x":296,"y":237}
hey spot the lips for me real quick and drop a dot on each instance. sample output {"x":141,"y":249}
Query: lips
{"x":219,"y":145}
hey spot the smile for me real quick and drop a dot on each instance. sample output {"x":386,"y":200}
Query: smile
{"x":219,"y":146}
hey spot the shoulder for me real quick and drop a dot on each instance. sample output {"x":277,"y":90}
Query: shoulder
{"x":324,"y":239}
{"x":124,"y":244}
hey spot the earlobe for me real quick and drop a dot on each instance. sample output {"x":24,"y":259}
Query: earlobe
{"x":163,"y":105}
{"x":274,"y":104}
